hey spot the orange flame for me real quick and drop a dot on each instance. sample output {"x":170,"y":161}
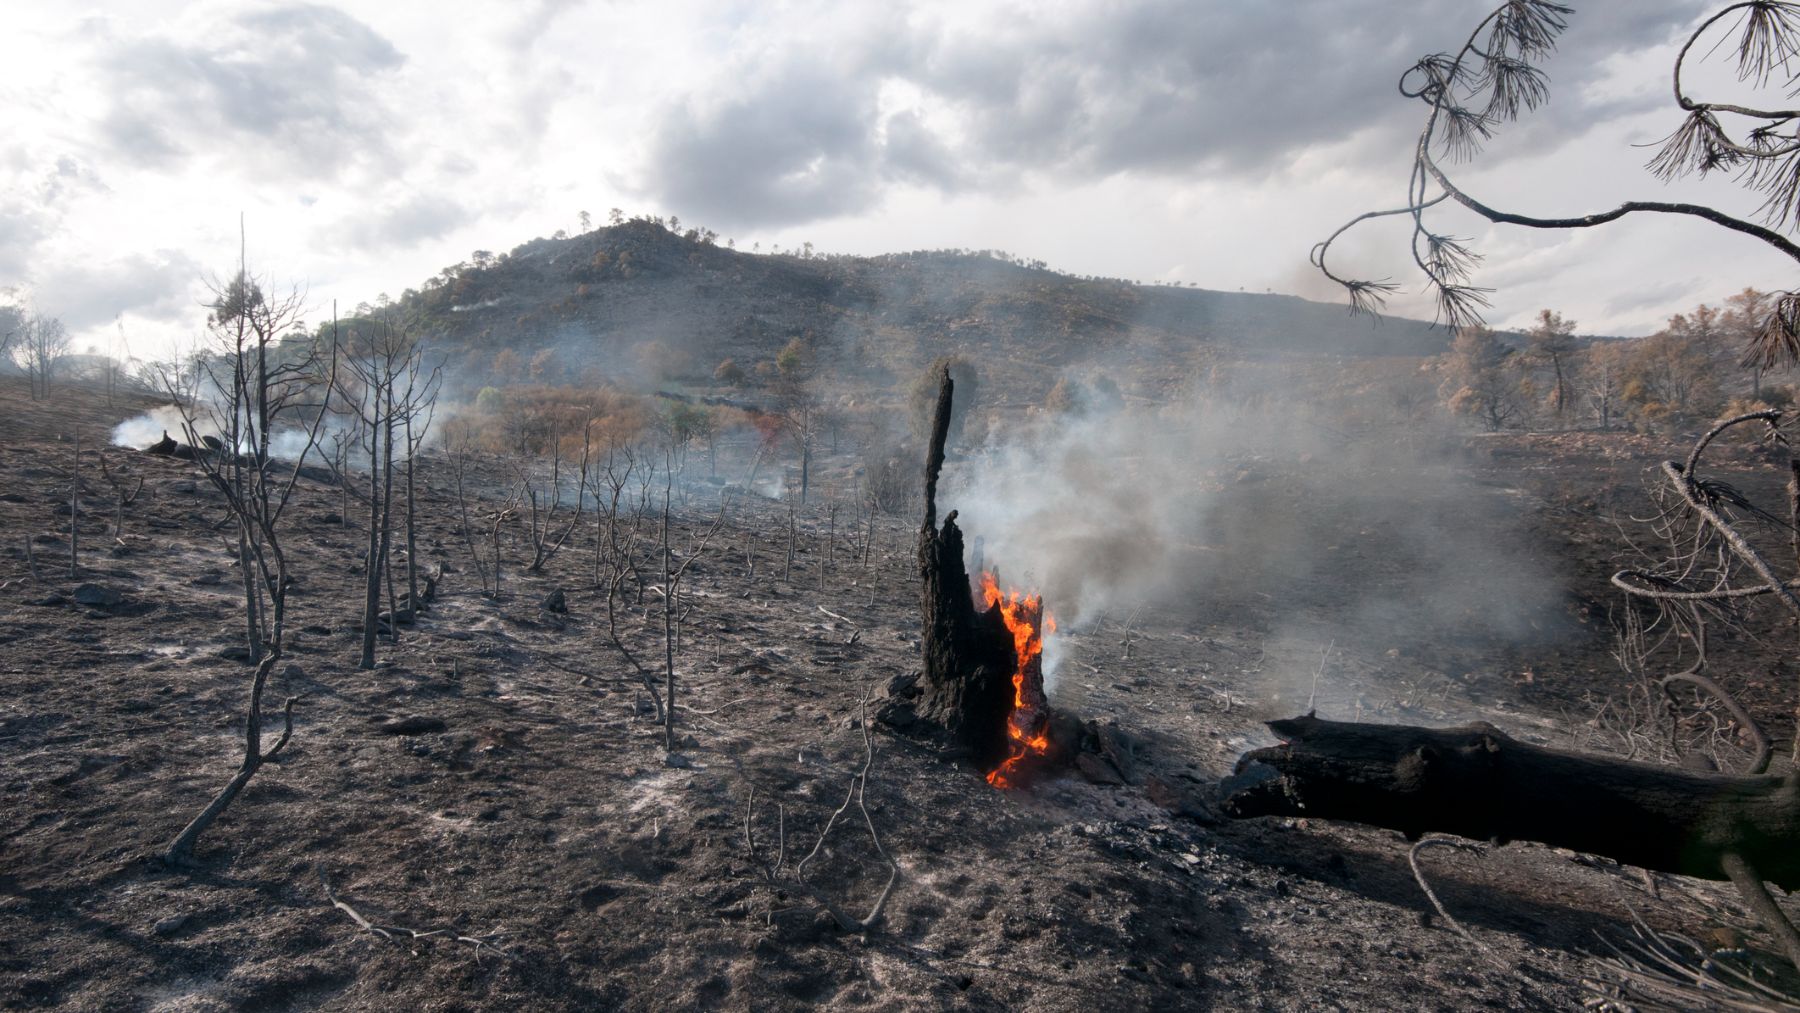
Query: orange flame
{"x":1026,"y":620}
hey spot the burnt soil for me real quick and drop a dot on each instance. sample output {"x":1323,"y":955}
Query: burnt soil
{"x":544,"y":815}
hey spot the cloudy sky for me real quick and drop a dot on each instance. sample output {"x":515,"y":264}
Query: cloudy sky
{"x":1208,"y":141}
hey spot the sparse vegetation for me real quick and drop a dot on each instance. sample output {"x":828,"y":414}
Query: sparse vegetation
{"x":939,"y":680}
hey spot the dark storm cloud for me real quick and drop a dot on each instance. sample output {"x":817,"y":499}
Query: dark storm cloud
{"x":801,"y":147}
{"x":1175,"y":87}
{"x":289,"y":88}
{"x":1167,"y":87}
{"x":916,"y":155}
{"x":153,"y":286}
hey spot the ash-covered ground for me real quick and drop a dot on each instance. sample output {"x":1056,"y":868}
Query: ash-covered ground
{"x":536,"y":809}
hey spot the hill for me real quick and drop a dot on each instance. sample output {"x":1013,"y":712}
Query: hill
{"x":637,"y":298}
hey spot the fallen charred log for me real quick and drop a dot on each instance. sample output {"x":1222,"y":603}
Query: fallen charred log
{"x":1474,"y":781}
{"x":168,"y":446}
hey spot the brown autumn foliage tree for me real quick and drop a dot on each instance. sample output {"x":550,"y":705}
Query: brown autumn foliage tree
{"x":1670,"y":379}
{"x":1601,"y":381}
{"x":1551,"y":342}
{"x":1743,"y":313}
{"x":1481,"y":379}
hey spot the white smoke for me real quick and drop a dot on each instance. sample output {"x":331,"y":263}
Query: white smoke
{"x":1249,"y":501}
{"x":285,"y":443}
{"x":148,"y":428}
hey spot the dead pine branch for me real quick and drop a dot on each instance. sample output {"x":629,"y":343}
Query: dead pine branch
{"x":1666,"y":970}
{"x":1693,"y":582}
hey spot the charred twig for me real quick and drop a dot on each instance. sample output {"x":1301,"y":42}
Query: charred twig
{"x":798,"y":882}
{"x":483,"y":944}
{"x":855,"y":628}
{"x":120,"y":483}
{"x":1126,"y":639}
{"x":1412,"y":859}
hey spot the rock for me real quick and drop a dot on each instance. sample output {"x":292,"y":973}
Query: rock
{"x":1178,"y":800}
{"x":1104,"y":738}
{"x":236,"y":652}
{"x":1097,"y":770}
{"x":412,"y":725}
{"x":556,"y":601}
{"x":170,"y":925}
{"x":98,"y":595}
{"x":596,"y":895}
{"x":677,"y":761}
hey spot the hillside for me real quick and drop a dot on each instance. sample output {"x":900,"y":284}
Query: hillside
{"x":637,"y":298}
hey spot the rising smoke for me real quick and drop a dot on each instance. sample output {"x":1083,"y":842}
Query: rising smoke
{"x":286,"y":443}
{"x":1238,"y":504}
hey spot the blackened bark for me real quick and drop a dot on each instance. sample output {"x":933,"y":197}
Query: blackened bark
{"x":964,"y":690}
{"x":1475,"y":782}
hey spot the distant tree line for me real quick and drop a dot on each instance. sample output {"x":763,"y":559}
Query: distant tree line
{"x":1688,"y":372}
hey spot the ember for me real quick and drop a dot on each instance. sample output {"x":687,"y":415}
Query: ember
{"x":1026,"y":724}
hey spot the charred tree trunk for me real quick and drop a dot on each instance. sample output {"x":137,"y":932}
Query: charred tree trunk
{"x":964,"y":690}
{"x":1474,"y":781}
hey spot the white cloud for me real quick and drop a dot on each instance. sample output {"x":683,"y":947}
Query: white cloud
{"x":370,"y":144}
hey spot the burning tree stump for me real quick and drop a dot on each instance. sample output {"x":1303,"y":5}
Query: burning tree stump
{"x":980,"y":688}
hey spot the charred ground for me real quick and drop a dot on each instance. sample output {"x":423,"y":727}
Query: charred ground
{"x":543,"y":810}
